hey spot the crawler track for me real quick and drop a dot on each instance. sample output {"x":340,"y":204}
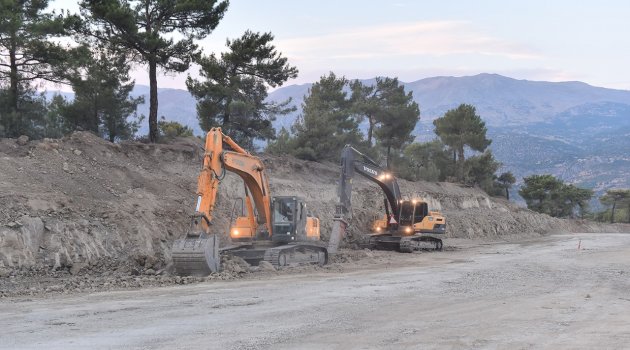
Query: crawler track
{"x":291,"y":254}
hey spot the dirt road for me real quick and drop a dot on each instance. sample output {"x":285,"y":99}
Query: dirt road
{"x":537,"y":294}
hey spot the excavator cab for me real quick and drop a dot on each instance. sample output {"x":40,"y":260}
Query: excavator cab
{"x":411,"y":213}
{"x":415,"y":217}
{"x":290,"y":220}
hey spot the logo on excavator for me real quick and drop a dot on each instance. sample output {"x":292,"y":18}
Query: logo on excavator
{"x":371,"y":171}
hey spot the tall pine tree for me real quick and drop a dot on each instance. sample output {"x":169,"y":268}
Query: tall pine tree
{"x":102,"y":102}
{"x":326,"y":123}
{"x":28,"y":54}
{"x":234,"y":90}
{"x":158,"y":33}
{"x":398,"y":116}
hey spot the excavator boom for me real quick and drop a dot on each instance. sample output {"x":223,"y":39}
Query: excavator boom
{"x":354,"y":161}
{"x":198,"y":253}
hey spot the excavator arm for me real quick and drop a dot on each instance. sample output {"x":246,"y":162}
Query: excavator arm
{"x":197,"y":253}
{"x":354,"y":161}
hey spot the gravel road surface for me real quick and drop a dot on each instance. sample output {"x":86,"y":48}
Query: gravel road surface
{"x":542,"y":293}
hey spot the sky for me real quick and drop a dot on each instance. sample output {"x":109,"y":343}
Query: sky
{"x":551,"y":40}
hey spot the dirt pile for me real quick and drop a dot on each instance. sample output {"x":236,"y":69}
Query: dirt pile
{"x":84,"y":205}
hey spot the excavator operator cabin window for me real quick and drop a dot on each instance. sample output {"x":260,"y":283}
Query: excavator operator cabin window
{"x":406,"y":213}
{"x":284,"y":211}
{"x":422,"y":210}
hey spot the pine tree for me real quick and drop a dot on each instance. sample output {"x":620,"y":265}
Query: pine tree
{"x":233,"y":92}
{"x":546,"y":194}
{"x":172,"y":129}
{"x":460,"y":128}
{"x":102,"y":88}
{"x":157,"y":33}
{"x":430,"y":159}
{"x":397,"y":118}
{"x":613,"y":197}
{"x":326,"y":124}
{"x":377,"y":102}
{"x":479,"y":170}
{"x":27,"y":55}
{"x":282,"y":145}
{"x":506,"y":180}
{"x":537,"y":190}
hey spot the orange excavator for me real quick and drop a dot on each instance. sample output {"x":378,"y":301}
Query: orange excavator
{"x":274,"y":229}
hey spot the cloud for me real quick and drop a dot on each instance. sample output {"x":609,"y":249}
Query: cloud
{"x":426,"y":38}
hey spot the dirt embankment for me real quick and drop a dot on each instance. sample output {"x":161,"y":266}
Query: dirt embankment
{"x":83,"y":204}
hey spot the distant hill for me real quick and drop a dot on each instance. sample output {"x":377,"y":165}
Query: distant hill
{"x":573,"y":130}
{"x":578,"y":132}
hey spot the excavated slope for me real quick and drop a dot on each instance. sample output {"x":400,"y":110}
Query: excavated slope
{"x":81,"y":200}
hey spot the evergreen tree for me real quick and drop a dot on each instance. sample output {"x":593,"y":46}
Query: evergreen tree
{"x":389,"y":111}
{"x":568,"y":197}
{"x":506,"y":180}
{"x":282,"y":145}
{"x":326,"y":124}
{"x":479,"y":170}
{"x":460,"y":128}
{"x":102,"y":104}
{"x":172,"y":129}
{"x":613,"y":197}
{"x":430,"y":160}
{"x":27,"y":55}
{"x":537,"y":190}
{"x":55,"y":123}
{"x":546,"y":194}
{"x":234,"y":90}
{"x":157,"y":33}
{"x":397,"y":118}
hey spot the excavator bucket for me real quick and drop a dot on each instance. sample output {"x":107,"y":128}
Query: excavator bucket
{"x":196,"y":255}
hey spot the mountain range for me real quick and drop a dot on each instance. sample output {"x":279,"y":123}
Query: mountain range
{"x":578,"y":132}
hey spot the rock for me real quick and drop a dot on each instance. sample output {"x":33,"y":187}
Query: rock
{"x":22,"y":140}
{"x":77,"y":152}
{"x":76,"y":268}
{"x":66,"y":168}
{"x":13,"y":224}
{"x":150,"y":261}
{"x":55,"y":288}
{"x":150,"y":272}
{"x":4,"y":273}
{"x":266,"y":266}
